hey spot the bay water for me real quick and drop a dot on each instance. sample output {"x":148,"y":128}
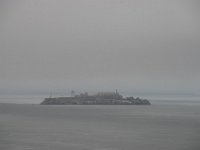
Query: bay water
{"x":168,"y":126}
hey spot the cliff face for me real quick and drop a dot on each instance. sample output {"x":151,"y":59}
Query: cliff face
{"x":92,"y":100}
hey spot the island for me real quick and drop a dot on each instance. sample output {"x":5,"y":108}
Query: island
{"x":101,"y":98}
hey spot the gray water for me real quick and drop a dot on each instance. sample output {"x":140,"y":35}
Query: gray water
{"x":155,"y":127}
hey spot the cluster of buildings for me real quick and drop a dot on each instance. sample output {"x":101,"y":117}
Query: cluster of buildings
{"x":101,"y":98}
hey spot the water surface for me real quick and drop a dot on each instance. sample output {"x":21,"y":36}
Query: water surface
{"x":155,"y":127}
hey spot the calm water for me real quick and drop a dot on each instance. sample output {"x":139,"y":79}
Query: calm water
{"x":156,"y":127}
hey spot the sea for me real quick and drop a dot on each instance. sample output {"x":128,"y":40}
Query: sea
{"x":164,"y":125}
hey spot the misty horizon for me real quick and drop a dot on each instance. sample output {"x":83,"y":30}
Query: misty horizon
{"x":138,"y":47}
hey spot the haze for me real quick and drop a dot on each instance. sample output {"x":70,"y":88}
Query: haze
{"x":135,"y":46}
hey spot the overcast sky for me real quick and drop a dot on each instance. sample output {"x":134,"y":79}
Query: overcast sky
{"x":139,"y":46}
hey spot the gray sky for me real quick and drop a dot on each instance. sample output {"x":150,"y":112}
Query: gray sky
{"x":139,"y":46}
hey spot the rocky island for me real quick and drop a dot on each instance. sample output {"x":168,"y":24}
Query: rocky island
{"x":103,"y":98}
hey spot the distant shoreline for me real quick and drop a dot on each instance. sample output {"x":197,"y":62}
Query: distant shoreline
{"x":105,"y":98}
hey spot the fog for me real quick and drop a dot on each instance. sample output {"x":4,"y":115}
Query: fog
{"x":135,"y":46}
